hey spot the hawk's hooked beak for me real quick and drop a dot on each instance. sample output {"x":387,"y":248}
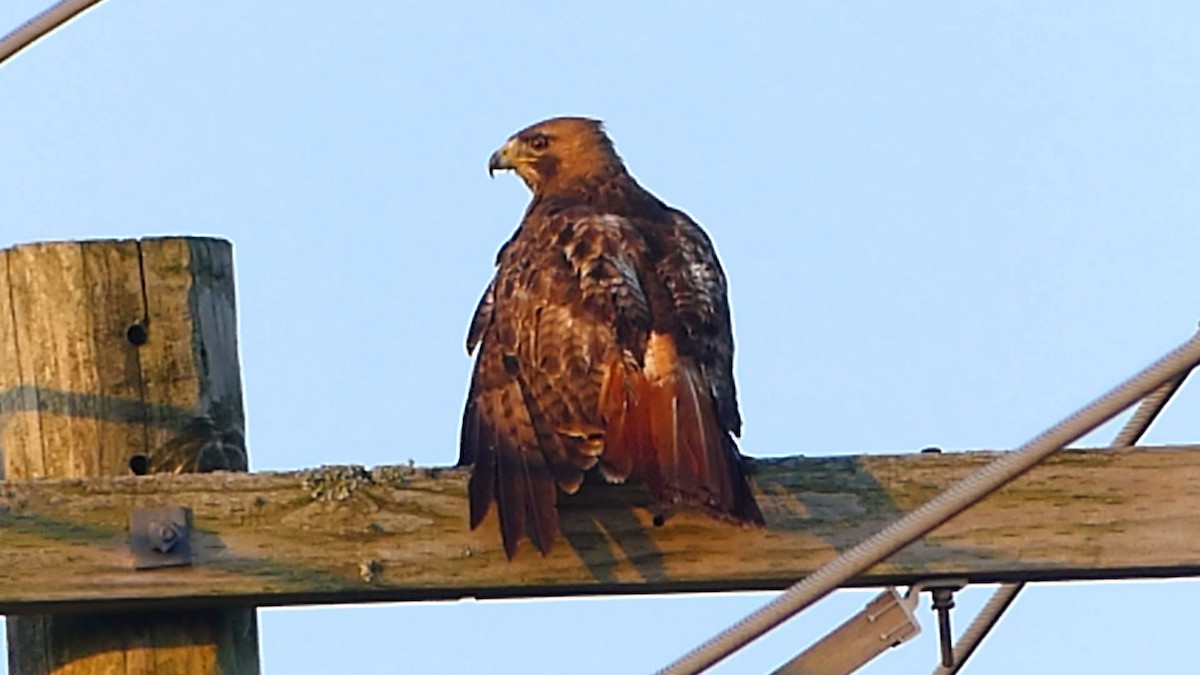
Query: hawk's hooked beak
{"x":501,"y":159}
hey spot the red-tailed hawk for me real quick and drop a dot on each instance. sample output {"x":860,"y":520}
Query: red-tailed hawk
{"x":604,"y":339}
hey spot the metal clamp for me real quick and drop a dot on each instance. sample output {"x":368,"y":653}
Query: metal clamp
{"x":886,"y":621}
{"x":160,"y":537}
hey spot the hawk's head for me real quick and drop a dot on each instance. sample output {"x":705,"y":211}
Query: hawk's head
{"x":558,"y":152}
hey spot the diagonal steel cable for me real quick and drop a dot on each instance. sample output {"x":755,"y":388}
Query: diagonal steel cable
{"x":37,"y":27}
{"x":938,"y":510}
{"x":1147,"y":411}
{"x":1145,"y":414}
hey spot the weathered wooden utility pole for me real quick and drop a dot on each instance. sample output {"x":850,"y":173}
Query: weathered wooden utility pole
{"x":120,"y":356}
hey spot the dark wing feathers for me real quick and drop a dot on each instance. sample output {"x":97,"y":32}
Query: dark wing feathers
{"x":482,"y":317}
{"x":706,"y":396}
{"x":564,"y":301}
{"x":692,"y":273}
{"x":604,"y":255}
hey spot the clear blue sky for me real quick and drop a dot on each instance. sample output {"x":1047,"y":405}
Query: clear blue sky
{"x":944,"y":225}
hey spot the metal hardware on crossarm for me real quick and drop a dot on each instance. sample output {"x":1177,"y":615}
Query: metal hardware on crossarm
{"x":1137,"y":424}
{"x":938,"y":510}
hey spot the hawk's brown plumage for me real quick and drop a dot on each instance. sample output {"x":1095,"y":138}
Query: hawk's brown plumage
{"x":604,"y":339}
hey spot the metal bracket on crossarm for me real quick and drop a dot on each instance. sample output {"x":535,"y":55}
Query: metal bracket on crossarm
{"x":887,"y":621}
{"x":160,"y":537}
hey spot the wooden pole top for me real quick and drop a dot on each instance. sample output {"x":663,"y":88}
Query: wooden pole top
{"x":117,"y":353}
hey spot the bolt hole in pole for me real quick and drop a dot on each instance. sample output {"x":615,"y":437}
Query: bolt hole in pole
{"x":137,"y":334}
{"x":139,"y":465}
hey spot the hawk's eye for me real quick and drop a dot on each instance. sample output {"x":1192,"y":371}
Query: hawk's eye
{"x":539,"y":142}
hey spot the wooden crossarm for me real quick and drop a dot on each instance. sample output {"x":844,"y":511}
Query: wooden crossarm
{"x":347,"y":535}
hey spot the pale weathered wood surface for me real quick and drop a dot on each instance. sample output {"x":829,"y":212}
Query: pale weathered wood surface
{"x":79,"y":397}
{"x":341,"y":535}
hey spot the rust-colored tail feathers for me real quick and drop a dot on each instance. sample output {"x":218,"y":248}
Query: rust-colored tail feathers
{"x":662,"y":424}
